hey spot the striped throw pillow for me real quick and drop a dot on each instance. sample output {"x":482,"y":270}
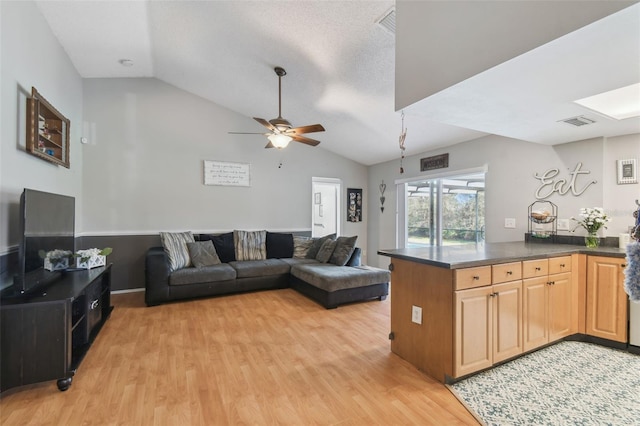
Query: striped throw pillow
{"x":175,"y":245}
{"x":250,"y":245}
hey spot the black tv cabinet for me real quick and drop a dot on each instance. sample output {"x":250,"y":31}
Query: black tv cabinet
{"x":44,"y":336}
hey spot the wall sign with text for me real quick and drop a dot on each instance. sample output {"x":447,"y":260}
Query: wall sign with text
{"x":226,"y":173}
{"x":550,"y":183}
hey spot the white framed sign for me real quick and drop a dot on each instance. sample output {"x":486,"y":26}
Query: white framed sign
{"x":226,"y":173}
{"x":627,"y":171}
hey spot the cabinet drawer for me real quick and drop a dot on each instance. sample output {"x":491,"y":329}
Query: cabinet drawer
{"x":535,"y":268}
{"x":472,"y":277}
{"x":559,"y":264}
{"x":506,"y":272}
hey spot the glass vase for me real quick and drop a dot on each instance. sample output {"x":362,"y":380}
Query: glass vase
{"x":592,"y":240}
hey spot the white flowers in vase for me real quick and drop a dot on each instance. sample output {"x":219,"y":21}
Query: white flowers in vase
{"x":91,"y":258}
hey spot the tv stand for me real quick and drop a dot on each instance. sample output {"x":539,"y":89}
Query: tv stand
{"x":44,"y":336}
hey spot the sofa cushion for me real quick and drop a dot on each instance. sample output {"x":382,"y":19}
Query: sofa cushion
{"x":203,"y":253}
{"x":343,"y":251}
{"x":317,"y":243}
{"x":301,"y":246}
{"x":260,"y":268}
{"x":207,"y":274}
{"x":324,"y":254}
{"x":175,"y":245}
{"x":279,"y":245}
{"x":250,"y":245}
{"x":223,"y":244}
{"x":295,"y":261}
{"x":330,"y":277}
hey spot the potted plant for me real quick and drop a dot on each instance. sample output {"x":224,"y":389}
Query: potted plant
{"x":56,"y":260}
{"x":592,"y":219}
{"x":91,"y":258}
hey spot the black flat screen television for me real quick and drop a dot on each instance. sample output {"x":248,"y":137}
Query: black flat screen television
{"x":48,"y":223}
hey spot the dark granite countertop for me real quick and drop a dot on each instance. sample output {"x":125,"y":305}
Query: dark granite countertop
{"x":469,"y":255}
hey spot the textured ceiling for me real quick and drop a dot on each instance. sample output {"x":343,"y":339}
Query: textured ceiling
{"x":340,"y":67}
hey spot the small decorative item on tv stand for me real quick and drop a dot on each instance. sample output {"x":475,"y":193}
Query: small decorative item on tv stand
{"x":56,"y":260}
{"x":92,"y":258}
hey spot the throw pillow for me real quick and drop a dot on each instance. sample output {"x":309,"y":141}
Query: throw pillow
{"x":301,"y":246}
{"x":317,"y":243}
{"x":250,"y":245}
{"x":223,"y":244}
{"x":343,"y":251}
{"x":279,"y":245}
{"x":203,"y":253}
{"x":324,"y":254}
{"x":175,"y":245}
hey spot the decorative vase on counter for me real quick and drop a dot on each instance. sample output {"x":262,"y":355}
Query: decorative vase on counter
{"x":592,"y":240}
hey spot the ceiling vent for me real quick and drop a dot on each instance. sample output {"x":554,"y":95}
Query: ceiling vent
{"x":388,"y":21}
{"x":578,"y":121}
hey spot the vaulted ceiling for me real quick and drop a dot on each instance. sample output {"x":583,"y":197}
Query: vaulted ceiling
{"x":341,"y":70}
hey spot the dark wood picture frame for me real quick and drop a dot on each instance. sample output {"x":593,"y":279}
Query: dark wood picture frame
{"x":354,"y":205}
{"x":47,"y":130}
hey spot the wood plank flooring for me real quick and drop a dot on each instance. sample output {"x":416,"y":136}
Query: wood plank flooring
{"x":271,"y":357}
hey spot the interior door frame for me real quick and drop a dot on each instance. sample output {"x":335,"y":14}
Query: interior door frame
{"x":337,"y":184}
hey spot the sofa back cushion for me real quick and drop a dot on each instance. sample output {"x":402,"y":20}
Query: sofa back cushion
{"x":343,"y":251}
{"x":317,"y":243}
{"x":175,"y":245}
{"x":279,"y":245}
{"x":324,"y":254}
{"x":223,"y":244}
{"x":250,"y":245}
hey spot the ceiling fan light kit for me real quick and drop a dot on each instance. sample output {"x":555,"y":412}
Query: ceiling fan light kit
{"x":281,"y":132}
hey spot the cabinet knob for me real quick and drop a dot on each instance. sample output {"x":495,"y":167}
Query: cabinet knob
{"x":551,"y":282}
{"x":562,"y":265}
{"x":624,"y":265}
{"x":493,"y":294}
{"x":391,"y":267}
{"x":509,"y":272}
{"x":475,"y":277}
{"x":537,"y":268}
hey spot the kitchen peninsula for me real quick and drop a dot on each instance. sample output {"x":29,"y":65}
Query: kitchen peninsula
{"x":456,"y":310}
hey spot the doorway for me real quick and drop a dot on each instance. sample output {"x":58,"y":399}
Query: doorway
{"x":325,"y":206}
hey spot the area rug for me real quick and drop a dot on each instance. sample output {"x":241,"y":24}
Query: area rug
{"x":569,"y":383}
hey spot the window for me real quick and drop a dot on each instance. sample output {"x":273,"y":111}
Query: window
{"x":444,"y":211}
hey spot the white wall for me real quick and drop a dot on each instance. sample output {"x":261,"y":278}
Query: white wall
{"x":31,"y":56}
{"x":511,"y":186}
{"x":143,"y":166}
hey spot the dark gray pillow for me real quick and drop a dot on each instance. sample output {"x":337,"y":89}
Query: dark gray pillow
{"x":343,"y":251}
{"x":203,"y":253}
{"x":324,"y":254}
{"x":317,"y":243}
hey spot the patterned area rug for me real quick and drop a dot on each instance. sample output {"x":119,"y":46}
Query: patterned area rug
{"x":570,"y":383}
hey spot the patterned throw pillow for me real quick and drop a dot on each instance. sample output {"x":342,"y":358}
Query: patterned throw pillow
{"x":343,"y":251}
{"x":301,"y":246}
{"x":250,"y":245}
{"x":175,"y":245}
{"x":324,"y":254}
{"x":203,"y":253}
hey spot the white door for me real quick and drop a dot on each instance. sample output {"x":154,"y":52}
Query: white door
{"x":325,"y":206}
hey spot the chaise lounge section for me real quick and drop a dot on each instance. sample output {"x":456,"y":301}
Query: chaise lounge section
{"x":327,"y":271}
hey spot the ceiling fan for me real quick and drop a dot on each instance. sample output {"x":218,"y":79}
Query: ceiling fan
{"x":281,"y":132}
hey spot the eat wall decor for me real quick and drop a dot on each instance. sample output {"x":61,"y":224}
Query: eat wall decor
{"x":549,"y":184}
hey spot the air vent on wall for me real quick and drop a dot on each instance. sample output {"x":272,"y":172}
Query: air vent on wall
{"x":578,"y":121}
{"x":388,"y":21}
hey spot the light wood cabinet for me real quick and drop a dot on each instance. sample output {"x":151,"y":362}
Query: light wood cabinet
{"x":607,"y":303}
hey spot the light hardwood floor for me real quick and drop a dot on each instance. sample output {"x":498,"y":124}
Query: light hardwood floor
{"x":271,"y":357}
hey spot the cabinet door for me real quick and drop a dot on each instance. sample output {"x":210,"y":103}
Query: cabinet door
{"x":507,"y":320}
{"x":606,"y":299}
{"x":559,"y":303}
{"x":473,"y":330}
{"x":534,"y":312}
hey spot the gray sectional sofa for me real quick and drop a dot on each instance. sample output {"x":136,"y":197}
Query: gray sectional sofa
{"x":325,"y":278}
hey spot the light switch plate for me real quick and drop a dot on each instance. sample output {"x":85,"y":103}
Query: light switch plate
{"x":509,"y":222}
{"x":416,"y":314}
{"x":563,"y":224}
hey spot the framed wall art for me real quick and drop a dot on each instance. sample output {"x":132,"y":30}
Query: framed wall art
{"x":354,"y":205}
{"x":627,"y":171}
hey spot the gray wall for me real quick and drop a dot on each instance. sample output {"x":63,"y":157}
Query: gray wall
{"x":31,"y":56}
{"x":511,"y":187}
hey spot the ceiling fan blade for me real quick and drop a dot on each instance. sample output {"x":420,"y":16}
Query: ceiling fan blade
{"x":270,"y":145}
{"x":307,"y":129}
{"x":303,"y":139}
{"x":266,"y":124}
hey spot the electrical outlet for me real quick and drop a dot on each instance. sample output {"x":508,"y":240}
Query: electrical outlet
{"x":509,"y":222}
{"x":416,"y":314}
{"x":563,"y":224}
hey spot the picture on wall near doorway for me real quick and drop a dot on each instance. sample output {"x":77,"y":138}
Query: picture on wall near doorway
{"x":354,"y":205}
{"x":627,"y":171}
